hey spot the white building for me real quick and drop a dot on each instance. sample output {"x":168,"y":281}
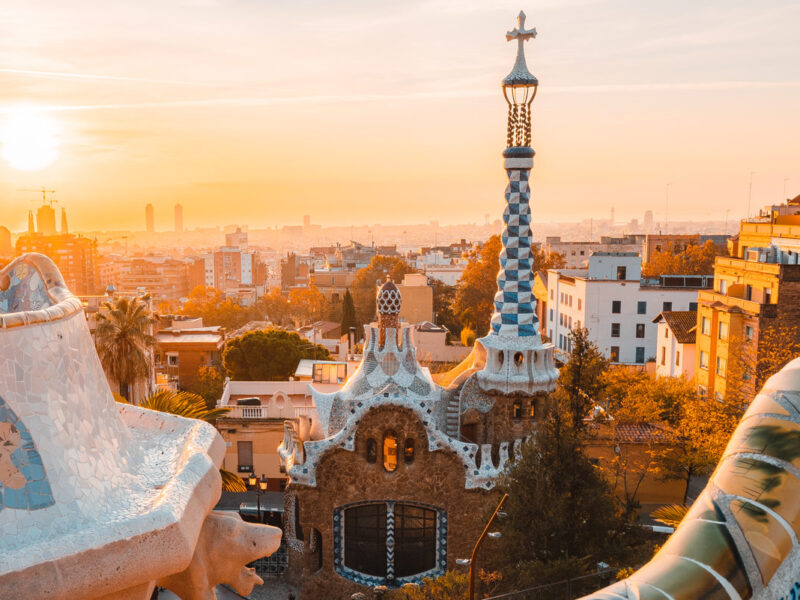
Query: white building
{"x":616,"y":305}
{"x":676,"y":343}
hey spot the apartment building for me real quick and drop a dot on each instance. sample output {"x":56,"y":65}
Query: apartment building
{"x":616,"y":305}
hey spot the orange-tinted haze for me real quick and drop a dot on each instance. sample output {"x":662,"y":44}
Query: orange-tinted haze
{"x":364,"y":112}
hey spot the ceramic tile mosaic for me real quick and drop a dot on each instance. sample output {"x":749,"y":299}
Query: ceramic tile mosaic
{"x":77,"y":470}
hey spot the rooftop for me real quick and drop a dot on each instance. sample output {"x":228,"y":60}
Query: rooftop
{"x":683,"y":324}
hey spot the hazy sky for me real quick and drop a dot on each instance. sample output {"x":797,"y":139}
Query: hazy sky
{"x":258,"y":111}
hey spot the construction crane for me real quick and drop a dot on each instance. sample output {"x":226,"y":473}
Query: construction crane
{"x":44,"y":191}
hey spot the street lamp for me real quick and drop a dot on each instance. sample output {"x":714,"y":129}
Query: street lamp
{"x":486,"y":533}
{"x":259,"y":486}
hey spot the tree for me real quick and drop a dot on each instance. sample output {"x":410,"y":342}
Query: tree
{"x":307,"y":304}
{"x":543,"y":262}
{"x":443,"y":298}
{"x":123,"y":341}
{"x":271,"y":355}
{"x":368,"y":278}
{"x":478,"y":284}
{"x":214,"y":308}
{"x":580,"y":379}
{"x":450,"y":586}
{"x":192,"y":406}
{"x":209,"y":385}
{"x":276,"y":307}
{"x":349,"y":314}
{"x":560,"y":508}
{"x":693,"y":260}
{"x":752,"y":362}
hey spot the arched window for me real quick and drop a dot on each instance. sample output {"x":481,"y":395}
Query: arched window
{"x":519,"y":358}
{"x":532,"y":413}
{"x":390,"y":451}
{"x":516,"y":410}
{"x":372,"y":451}
{"x":362,"y":552}
{"x":408,"y":450}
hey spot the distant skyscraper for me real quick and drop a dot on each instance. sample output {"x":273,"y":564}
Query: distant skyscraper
{"x":31,"y":226}
{"x":64,"y":225}
{"x":178,"y":218}
{"x":46,"y":220}
{"x":149,"y":219}
{"x":648,"y":220}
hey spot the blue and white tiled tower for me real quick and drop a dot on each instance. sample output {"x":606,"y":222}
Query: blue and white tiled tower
{"x":516,"y":359}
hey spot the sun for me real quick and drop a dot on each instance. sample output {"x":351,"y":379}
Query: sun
{"x":29,"y":140}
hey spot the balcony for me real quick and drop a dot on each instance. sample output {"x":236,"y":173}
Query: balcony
{"x":270,"y":412}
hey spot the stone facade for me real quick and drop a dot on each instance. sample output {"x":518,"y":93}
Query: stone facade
{"x":433,"y":478}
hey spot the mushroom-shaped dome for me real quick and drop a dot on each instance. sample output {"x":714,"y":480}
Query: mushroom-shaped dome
{"x":389,"y":299}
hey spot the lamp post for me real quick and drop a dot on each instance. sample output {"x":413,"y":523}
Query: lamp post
{"x":486,"y":533}
{"x":260,"y":486}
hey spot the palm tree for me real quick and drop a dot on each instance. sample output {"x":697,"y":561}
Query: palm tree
{"x":192,"y":406}
{"x":124,"y":342}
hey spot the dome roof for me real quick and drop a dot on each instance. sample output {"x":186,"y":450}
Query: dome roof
{"x":389,"y":299}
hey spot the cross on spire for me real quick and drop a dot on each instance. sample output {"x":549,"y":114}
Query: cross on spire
{"x":519,"y":32}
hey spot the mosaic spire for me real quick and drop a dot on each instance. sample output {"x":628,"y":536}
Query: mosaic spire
{"x":516,"y":361}
{"x":514,"y":304}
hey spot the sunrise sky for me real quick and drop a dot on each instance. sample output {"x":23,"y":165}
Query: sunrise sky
{"x":258,"y":111}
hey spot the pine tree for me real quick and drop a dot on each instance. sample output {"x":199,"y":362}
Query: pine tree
{"x":348,"y":314}
{"x":560,"y":508}
{"x":580,"y":379}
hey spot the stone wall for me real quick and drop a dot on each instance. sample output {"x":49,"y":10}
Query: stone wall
{"x":344,"y":477}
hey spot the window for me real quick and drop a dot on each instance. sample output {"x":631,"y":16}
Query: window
{"x":365,"y":539}
{"x":666,"y":333}
{"x":532,"y":410}
{"x":551,"y":314}
{"x":569,"y":322}
{"x":390,"y":451}
{"x":641,"y":307}
{"x":667,"y":306}
{"x":663,"y":355}
{"x":748,"y":333}
{"x":703,"y":359}
{"x":360,"y":542}
{"x":615,"y":330}
{"x":172,"y":360}
{"x":640,"y":330}
{"x":579,"y":303}
{"x":640,"y":354}
{"x":692,"y":305}
{"x":516,"y":410}
{"x":748,"y":292}
{"x":244,"y":451}
{"x":552,"y":294}
{"x":614,"y":353}
{"x":408,"y":451}
{"x":767,"y":295}
{"x":616,"y":306}
{"x":705,"y":326}
{"x":723,"y":286}
{"x":721,"y":365}
{"x":702,"y":391}
{"x":372,"y":451}
{"x":722,"y":331}
{"x":678,"y":358}
{"x":325,"y":373}
{"x":621,"y":273}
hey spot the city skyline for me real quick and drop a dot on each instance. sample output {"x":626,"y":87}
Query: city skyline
{"x":216,"y":111}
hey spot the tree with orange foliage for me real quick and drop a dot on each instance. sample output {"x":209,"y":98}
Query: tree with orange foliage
{"x":694,"y":260}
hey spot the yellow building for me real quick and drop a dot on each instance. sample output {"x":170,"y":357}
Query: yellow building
{"x":417,"y":297}
{"x":254,"y":427}
{"x":755,"y":290}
